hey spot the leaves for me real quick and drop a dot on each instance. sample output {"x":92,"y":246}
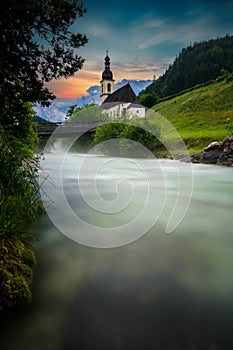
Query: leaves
{"x":37,"y":44}
{"x":229,"y":125}
{"x":19,"y":189}
{"x":88,"y":114}
{"x":136,"y":129}
{"x":196,"y":64}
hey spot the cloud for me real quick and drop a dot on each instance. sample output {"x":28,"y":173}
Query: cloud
{"x":143,"y":68}
{"x":133,"y":69}
{"x":99,"y":31}
{"x":154,"y":31}
{"x":141,"y":43}
{"x":56,"y":112}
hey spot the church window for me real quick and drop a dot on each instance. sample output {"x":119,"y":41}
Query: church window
{"x":109,"y":87}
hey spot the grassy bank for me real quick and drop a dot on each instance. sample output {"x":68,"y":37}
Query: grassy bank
{"x":199,"y":115}
{"x":19,"y":206}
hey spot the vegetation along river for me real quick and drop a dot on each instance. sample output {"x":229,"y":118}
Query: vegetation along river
{"x":152,"y":290}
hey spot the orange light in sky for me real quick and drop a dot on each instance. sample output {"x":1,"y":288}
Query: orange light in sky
{"x":73,"y":87}
{"x":78,"y":85}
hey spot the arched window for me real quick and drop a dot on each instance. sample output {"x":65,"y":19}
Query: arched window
{"x":109,"y":87}
{"x":102,"y":88}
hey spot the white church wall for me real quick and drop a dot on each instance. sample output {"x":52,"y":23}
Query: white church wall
{"x":117,"y":111}
{"x":137,"y":111}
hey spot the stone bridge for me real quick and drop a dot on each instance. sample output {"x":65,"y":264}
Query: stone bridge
{"x":64,"y":130}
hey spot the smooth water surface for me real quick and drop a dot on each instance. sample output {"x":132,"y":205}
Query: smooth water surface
{"x":163,"y":291}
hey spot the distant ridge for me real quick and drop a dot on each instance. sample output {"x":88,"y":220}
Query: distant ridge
{"x":39,"y":120}
{"x":196,"y":64}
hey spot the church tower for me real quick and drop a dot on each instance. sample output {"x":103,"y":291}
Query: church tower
{"x":107,"y":82}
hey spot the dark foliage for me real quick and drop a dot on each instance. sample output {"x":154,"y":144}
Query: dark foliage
{"x":196,"y":64}
{"x":37,"y":45}
{"x":136,"y":129}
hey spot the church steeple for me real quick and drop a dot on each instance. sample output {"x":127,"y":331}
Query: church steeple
{"x":107,"y":82}
{"x":107,"y":61}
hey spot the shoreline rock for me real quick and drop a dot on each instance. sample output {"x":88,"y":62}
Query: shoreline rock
{"x":220,"y":153}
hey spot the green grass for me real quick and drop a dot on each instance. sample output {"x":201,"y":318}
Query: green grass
{"x":199,"y":115}
{"x":19,"y":207}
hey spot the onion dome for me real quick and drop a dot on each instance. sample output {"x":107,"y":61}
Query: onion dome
{"x":107,"y":73}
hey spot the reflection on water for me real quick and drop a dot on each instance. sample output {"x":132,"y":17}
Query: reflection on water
{"x":160,"y":292}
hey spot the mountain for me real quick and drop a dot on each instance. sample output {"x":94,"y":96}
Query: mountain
{"x":196,"y":64}
{"x":56,"y":112}
{"x":40,"y":120}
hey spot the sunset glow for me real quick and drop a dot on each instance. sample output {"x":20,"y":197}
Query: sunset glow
{"x":142,"y":40}
{"x":73,"y":87}
{"x":78,"y":85}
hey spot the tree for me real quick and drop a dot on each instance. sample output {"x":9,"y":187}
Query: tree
{"x":148,"y":100}
{"x":70,"y":111}
{"x":36,"y":47}
{"x":88,"y":114}
{"x":195,"y":64}
{"x":136,"y":129}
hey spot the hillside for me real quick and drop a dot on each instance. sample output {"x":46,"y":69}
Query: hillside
{"x":199,"y":115}
{"x":196,"y":64}
{"x":39,"y":120}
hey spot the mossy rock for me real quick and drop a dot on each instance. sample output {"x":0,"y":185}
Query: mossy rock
{"x":28,"y":257}
{"x":14,"y":290}
{"x":16,"y":263}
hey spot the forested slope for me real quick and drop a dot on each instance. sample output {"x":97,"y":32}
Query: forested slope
{"x":196,"y":64}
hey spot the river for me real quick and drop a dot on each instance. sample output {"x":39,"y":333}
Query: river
{"x":145,"y":290}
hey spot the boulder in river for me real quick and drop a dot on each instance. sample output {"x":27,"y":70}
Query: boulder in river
{"x":216,"y":153}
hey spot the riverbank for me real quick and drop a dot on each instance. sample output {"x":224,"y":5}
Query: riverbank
{"x":200,"y":115}
{"x":16,"y":270}
{"x":19,"y":207}
{"x":219,"y":153}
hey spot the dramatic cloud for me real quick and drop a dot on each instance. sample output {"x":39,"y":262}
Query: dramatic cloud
{"x":142,"y":38}
{"x":153,"y":31}
{"x":59,"y":107}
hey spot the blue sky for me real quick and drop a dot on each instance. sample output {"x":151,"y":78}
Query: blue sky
{"x":142,"y":37}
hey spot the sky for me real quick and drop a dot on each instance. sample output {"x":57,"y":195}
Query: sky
{"x":142,"y":37}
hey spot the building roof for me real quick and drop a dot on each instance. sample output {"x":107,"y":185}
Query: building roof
{"x":107,"y":73}
{"x":135,"y":105}
{"x":123,"y":94}
{"x":110,"y":105}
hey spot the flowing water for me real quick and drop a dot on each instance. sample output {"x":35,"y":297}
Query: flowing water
{"x":161,"y":291}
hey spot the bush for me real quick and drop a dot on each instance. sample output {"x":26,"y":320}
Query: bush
{"x":137,"y":129}
{"x":19,"y":206}
{"x":19,"y":189}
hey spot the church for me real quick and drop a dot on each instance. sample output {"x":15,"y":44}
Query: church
{"x":120,"y":102}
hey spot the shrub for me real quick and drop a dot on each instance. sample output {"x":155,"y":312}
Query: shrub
{"x":19,"y":206}
{"x":19,"y":189}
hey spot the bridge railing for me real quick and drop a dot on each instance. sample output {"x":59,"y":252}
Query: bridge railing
{"x":48,"y":129}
